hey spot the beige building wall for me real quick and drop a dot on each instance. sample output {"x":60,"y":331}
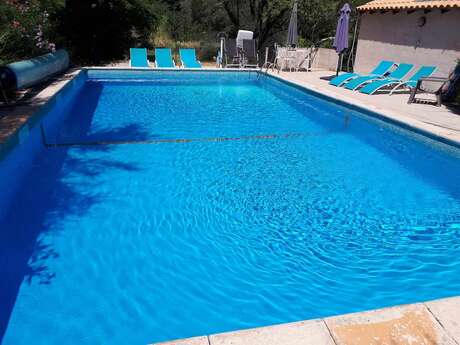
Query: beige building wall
{"x":400,"y":38}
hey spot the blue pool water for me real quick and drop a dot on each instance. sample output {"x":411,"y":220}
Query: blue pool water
{"x":142,"y":242}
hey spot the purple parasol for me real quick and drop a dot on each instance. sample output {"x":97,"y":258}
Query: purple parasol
{"x":341,"y":35}
{"x":293,"y":36}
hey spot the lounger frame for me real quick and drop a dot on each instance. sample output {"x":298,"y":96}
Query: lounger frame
{"x":394,"y":85}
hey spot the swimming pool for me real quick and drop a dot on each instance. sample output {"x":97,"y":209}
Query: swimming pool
{"x":161,"y":205}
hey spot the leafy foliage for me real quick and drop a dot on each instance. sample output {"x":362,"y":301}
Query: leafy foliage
{"x":318,"y":18}
{"x":265,"y":17}
{"x":96,"y":31}
{"x":26,"y":28}
{"x":102,"y":30}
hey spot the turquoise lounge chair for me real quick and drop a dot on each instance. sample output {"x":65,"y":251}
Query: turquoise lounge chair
{"x":188,"y":58}
{"x":424,"y":71}
{"x":163,"y":58}
{"x":382,"y":68}
{"x":138,"y":57}
{"x":399,"y":73}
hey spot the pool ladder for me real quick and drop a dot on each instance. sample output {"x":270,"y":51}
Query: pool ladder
{"x":267,"y":66}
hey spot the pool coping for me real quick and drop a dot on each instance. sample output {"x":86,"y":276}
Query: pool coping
{"x":434,"y":322}
{"x":26,"y":116}
{"x":175,"y":69}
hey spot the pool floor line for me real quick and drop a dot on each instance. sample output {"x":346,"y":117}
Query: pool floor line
{"x":182,"y":140}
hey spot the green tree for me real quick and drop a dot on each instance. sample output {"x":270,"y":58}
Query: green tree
{"x":266,"y":18}
{"x":318,"y":18}
{"x":195,"y":19}
{"x":95,"y":31}
{"x":103,"y":30}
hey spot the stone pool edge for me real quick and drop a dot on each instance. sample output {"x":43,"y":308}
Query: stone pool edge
{"x":433,"y":322}
{"x":24,"y":117}
{"x":388,"y":116}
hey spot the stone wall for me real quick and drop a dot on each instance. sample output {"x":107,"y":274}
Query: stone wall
{"x":402,"y":37}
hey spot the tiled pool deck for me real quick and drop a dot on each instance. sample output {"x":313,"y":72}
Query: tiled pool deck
{"x":430,"y":323}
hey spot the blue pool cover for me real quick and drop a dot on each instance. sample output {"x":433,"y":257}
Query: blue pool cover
{"x":170,"y":232}
{"x":21,"y":74}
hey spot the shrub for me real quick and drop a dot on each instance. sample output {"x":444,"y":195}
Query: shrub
{"x":25,"y":29}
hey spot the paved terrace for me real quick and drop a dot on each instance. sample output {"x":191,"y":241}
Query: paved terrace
{"x":441,"y":121}
{"x":431,"y":323}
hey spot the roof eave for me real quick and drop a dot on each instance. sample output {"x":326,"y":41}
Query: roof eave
{"x":416,"y":6}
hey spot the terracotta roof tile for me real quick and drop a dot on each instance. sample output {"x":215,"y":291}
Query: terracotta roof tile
{"x":408,"y":4}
